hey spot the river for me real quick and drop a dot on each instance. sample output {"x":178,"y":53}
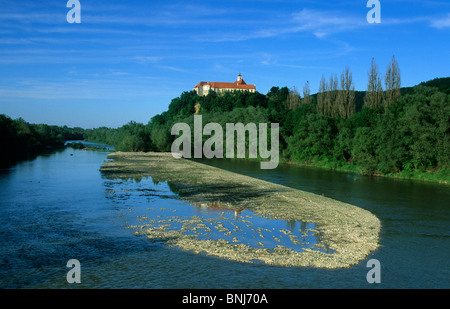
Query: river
{"x":58,"y":207}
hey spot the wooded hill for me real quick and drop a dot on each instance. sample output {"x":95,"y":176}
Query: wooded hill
{"x":409,"y":135}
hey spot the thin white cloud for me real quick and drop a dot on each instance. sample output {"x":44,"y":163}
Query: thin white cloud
{"x":441,"y":23}
{"x":118,"y":87}
{"x":34,"y":18}
{"x":319,"y":23}
{"x":147,"y":59}
{"x":323,"y":23}
{"x":171,"y":68}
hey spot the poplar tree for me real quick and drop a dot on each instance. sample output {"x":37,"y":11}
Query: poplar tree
{"x":331,"y":97}
{"x":346,"y":96}
{"x":392,"y":82}
{"x":307,"y":94}
{"x":321,"y":96}
{"x":293,"y":99}
{"x":374,"y":94}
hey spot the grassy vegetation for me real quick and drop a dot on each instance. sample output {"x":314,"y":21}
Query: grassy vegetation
{"x":439,"y":176}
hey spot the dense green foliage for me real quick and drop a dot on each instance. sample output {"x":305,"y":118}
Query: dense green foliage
{"x":229,"y":107}
{"x":130,"y":137}
{"x":412,"y":134}
{"x":442,"y":84}
{"x":21,"y":140}
{"x":76,"y":145}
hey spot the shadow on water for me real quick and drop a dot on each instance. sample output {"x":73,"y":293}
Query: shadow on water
{"x":224,"y":192}
{"x":28,"y":156}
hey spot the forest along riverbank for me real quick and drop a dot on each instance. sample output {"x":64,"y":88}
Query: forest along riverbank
{"x":348,"y":234}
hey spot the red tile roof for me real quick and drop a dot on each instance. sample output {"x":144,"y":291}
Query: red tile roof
{"x":236,"y":85}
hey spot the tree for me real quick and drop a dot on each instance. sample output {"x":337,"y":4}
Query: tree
{"x":327,"y":96}
{"x":346,"y":96}
{"x":276,"y":104}
{"x":343,"y":145}
{"x":331,"y":97}
{"x":313,"y":138}
{"x":392,"y":82}
{"x":374,"y":94}
{"x":363,"y":151}
{"x":293,"y":100}
{"x":321,"y":96}
{"x":306,"y":94}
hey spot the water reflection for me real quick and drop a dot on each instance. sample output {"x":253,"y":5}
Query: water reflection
{"x":153,"y":205}
{"x":213,"y":207}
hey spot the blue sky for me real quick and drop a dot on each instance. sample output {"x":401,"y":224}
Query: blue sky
{"x":126,"y":60}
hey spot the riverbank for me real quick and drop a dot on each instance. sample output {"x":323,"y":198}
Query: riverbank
{"x":442,"y":176}
{"x":349,"y":232}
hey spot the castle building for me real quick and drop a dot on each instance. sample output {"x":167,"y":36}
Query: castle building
{"x":203,"y":88}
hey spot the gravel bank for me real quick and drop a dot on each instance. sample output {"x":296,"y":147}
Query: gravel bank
{"x":350,"y":232}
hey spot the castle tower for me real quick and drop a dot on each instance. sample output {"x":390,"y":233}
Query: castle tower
{"x":239,"y":78}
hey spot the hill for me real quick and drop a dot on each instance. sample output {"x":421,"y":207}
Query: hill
{"x":408,"y":138}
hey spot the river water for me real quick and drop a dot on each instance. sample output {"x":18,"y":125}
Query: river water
{"x":59,"y":207}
